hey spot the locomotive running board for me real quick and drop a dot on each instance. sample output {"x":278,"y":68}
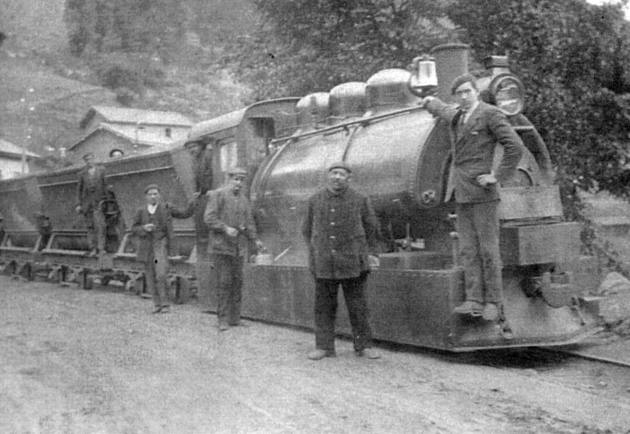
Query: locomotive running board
{"x":414,"y":307}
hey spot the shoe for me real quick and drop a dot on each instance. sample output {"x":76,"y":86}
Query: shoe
{"x":490,"y":312}
{"x":320,"y":354}
{"x":506,"y":331}
{"x":239,"y":324}
{"x":368,"y":353}
{"x":166,"y":309}
{"x":157,"y":309}
{"x":473,"y":308}
{"x":223,"y":327}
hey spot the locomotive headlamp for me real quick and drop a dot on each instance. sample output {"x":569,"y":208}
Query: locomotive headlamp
{"x":423,"y":80}
{"x":507,"y":93}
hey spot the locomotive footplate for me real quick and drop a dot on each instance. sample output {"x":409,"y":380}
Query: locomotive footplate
{"x":415,"y":307}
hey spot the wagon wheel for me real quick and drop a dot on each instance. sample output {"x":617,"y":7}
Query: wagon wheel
{"x":88,"y":280}
{"x":130,"y":285}
{"x":182,"y":294}
{"x":105,"y":280}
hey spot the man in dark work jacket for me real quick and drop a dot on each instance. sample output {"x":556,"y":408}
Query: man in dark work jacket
{"x":340,"y":229}
{"x":153,"y":227}
{"x":202,"y":171}
{"x":476,"y":128}
{"x":91,"y":190}
{"x":229,"y":216}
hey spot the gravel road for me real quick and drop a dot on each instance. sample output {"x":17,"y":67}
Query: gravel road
{"x":83,"y":362}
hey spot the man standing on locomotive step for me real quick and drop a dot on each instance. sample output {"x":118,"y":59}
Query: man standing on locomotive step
{"x":341,"y":229}
{"x":153,"y":226}
{"x":476,"y":128}
{"x":91,"y":190}
{"x":229,"y":217}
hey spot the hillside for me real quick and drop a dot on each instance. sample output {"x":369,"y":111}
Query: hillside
{"x":44,"y":91}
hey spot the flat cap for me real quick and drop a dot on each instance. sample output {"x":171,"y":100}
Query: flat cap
{"x":464,"y":78}
{"x":340,"y":165}
{"x":237,"y":171}
{"x":151,"y":187}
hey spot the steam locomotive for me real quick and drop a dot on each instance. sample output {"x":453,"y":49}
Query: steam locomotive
{"x":400,"y":157}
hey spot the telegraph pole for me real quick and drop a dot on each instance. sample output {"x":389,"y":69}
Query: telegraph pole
{"x":28,"y":129}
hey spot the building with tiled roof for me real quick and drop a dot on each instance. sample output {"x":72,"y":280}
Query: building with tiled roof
{"x":115,"y":131}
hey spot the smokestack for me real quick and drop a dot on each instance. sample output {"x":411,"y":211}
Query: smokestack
{"x":451,"y":61}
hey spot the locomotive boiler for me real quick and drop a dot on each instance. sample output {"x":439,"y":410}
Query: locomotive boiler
{"x":400,"y":157}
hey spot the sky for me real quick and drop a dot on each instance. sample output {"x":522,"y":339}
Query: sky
{"x":600,"y":2}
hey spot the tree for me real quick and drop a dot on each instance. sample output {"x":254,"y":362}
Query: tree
{"x":105,"y":26}
{"x":574,"y":60}
{"x":304,"y":46}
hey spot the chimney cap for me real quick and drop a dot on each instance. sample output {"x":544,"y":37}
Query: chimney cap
{"x":497,"y":62}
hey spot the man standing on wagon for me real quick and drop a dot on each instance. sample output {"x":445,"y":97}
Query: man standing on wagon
{"x":91,"y":190}
{"x":341,"y":230}
{"x":229,"y":217}
{"x":476,"y":128}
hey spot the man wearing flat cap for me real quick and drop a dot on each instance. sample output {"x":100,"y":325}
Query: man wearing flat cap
{"x":476,"y":128}
{"x":91,"y":190}
{"x":341,"y":230}
{"x":153,"y":226}
{"x":229,"y":217}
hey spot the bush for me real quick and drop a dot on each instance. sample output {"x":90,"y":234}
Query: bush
{"x":130,"y":72}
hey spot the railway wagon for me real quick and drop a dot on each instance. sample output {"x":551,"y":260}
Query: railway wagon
{"x":400,"y":157}
{"x":44,"y":235}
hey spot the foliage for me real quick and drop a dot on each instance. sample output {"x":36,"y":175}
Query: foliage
{"x":142,"y":26}
{"x":573,"y":58}
{"x":304,"y":46}
{"x":124,"y":40}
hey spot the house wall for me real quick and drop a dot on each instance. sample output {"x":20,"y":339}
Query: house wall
{"x":101,"y":144}
{"x":11,"y":168}
{"x":153,"y":133}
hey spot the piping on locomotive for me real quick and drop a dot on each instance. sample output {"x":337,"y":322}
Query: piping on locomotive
{"x":400,"y":156}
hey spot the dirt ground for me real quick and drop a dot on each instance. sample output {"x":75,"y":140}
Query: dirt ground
{"x":82,"y":362}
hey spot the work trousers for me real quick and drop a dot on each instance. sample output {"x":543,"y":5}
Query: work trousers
{"x":478,"y":229}
{"x":95,"y":222}
{"x":156,"y":271}
{"x":229,"y":277}
{"x":326,"y":311}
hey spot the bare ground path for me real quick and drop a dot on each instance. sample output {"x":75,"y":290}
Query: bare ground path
{"x":74,"y":361}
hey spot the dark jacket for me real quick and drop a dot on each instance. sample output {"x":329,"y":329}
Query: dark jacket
{"x":195,"y":208}
{"x":225,"y":209}
{"x":473,"y":146}
{"x":163,"y":229}
{"x":89,"y":194}
{"x":341,"y":230}
{"x":202,"y":170}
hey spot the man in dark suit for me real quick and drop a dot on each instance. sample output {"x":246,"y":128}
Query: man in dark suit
{"x":476,"y":128}
{"x":341,"y":230}
{"x":91,"y":190}
{"x":153,"y":226}
{"x":229,"y":218}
